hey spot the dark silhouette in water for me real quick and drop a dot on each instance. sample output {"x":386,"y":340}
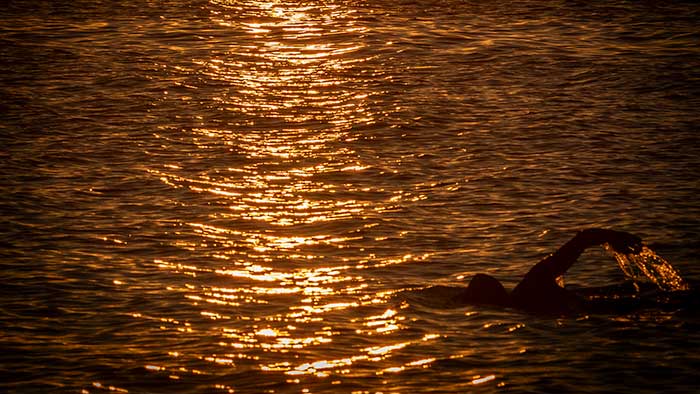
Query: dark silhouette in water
{"x":538,"y":291}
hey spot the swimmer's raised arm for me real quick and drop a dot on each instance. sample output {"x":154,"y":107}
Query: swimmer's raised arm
{"x":560,"y":261}
{"x":539,"y":291}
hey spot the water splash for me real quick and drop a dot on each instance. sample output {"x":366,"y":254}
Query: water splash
{"x":647,"y":266}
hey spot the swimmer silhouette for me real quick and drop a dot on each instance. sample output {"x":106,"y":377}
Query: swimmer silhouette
{"x":538,"y":291}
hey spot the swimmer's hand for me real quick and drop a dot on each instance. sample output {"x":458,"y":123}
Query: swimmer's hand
{"x":620,"y":241}
{"x":624,"y":242}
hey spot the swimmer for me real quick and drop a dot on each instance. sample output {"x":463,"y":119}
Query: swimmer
{"x":538,"y":291}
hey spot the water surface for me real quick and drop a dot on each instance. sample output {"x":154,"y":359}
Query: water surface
{"x":252,"y":196}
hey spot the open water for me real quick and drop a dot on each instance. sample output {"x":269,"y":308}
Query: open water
{"x":258,"y":196}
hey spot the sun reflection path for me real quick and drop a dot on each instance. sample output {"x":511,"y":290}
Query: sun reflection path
{"x":272,"y":211}
{"x":296,"y":66}
{"x":323,"y":368}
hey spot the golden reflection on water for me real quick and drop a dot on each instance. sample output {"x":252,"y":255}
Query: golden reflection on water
{"x":291,"y":70}
{"x":293,"y":95}
{"x":372,"y":354}
{"x":274,"y":223}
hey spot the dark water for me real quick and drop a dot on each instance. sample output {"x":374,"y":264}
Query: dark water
{"x":249,"y":196}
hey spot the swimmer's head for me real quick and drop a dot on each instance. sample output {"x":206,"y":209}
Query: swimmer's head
{"x":485,"y":289}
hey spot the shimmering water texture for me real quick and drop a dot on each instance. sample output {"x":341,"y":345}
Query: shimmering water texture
{"x":286,"y":196}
